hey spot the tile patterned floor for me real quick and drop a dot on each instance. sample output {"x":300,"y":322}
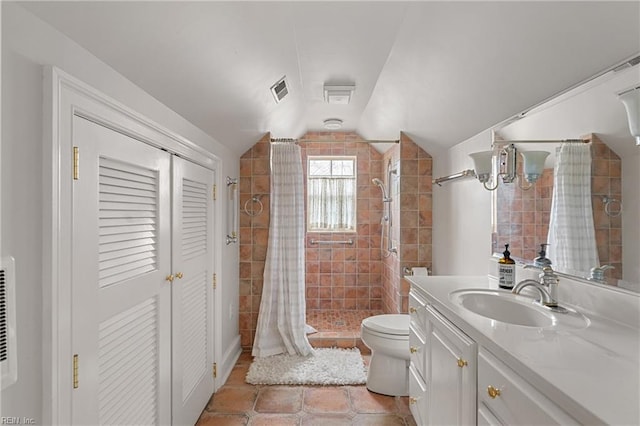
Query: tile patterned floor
{"x":338,"y":328}
{"x":239,"y":403}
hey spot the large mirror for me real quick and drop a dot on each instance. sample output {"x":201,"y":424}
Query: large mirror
{"x":593,"y":112}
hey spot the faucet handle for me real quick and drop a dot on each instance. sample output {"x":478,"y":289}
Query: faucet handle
{"x":548,"y":276}
{"x":602,"y":268}
{"x":597,"y":273}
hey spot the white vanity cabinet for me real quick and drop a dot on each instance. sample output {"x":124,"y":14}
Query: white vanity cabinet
{"x":505,"y":398}
{"x":451,"y":372}
{"x":418,"y":400}
{"x":442,"y":375}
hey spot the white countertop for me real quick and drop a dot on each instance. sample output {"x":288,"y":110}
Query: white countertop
{"x":593,"y":373}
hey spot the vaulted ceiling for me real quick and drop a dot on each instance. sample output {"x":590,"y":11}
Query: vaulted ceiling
{"x":439,"y":71}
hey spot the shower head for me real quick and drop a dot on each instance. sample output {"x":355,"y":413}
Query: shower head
{"x":379,"y":183}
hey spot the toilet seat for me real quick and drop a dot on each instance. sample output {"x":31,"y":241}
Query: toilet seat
{"x":388,"y":324}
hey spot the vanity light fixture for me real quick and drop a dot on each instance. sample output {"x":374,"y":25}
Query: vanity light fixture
{"x":507,"y":161}
{"x":631,"y":100}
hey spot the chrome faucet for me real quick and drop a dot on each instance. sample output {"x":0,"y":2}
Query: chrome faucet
{"x":547,"y":287}
{"x":597,"y":273}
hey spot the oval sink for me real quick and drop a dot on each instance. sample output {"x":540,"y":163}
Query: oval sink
{"x":503,"y":306}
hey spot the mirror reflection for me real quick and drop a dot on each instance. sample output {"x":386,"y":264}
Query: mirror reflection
{"x":578,"y":229}
{"x":603,"y":202}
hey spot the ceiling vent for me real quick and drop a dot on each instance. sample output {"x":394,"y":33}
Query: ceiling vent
{"x":338,"y":95}
{"x":280,"y":89}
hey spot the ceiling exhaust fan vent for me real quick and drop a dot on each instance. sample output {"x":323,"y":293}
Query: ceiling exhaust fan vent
{"x":280,"y":89}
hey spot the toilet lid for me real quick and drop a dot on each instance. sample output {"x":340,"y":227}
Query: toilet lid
{"x":397,"y":324}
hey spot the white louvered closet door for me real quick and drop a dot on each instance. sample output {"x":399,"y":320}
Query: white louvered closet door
{"x":192,"y":290}
{"x":121,"y":302}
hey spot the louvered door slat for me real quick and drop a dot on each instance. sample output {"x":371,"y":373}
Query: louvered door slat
{"x":122,"y":336}
{"x":123,"y":245}
{"x":108,"y":214}
{"x":194,"y":330}
{"x":126,"y":172}
{"x":138,"y":191}
{"x":107,"y":256}
{"x":127,"y":229}
{"x":106,"y":239}
{"x":125,"y":221}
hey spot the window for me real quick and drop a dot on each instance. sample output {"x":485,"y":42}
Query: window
{"x":331,"y":194}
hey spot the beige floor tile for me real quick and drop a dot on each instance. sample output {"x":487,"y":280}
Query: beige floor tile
{"x":238,"y":375}
{"x":274,"y":420}
{"x":279,"y":399}
{"x":326,"y":400}
{"x":378,"y":420}
{"x":233,"y":400}
{"x":364,"y":401}
{"x":326,"y":420}
{"x":213,"y":419}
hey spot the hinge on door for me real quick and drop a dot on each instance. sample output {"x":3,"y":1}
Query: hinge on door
{"x":215,"y":281}
{"x":76,"y":163}
{"x":75,"y":371}
{"x":215,"y":192}
{"x":215,"y":370}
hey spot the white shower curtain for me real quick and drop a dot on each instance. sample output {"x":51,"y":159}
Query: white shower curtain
{"x":281,"y":319}
{"x":572,"y":240}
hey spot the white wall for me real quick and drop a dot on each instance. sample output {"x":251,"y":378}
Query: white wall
{"x":27,"y":45}
{"x":462,"y":209}
{"x":461,"y":213}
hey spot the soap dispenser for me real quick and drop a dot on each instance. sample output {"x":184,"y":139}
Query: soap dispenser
{"x":542,"y":260}
{"x":506,"y":269}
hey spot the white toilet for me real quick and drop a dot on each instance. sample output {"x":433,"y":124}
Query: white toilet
{"x":388,"y":338}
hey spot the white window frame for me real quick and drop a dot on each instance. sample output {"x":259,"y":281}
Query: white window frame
{"x":355,"y":198}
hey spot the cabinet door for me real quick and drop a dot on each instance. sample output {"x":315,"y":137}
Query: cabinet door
{"x":192,"y":290}
{"x":451,"y":371}
{"x":120,"y":301}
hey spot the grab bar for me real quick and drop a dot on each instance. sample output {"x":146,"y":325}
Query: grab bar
{"x":462,"y":174}
{"x":350,"y":242}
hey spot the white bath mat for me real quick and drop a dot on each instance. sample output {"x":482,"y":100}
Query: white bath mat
{"x":326,"y":366}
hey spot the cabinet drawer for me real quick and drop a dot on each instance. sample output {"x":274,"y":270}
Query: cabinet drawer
{"x":512,"y":399}
{"x":417,"y":311}
{"x":417,"y":347}
{"x":417,"y":397}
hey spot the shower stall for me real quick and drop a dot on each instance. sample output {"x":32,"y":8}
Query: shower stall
{"x":352,"y":275}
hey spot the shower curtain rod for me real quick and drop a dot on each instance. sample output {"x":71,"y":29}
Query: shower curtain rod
{"x":285,"y":140}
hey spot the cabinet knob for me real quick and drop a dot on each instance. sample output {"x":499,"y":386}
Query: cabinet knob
{"x":179,"y":275}
{"x":412,"y":400}
{"x":493,"y":392}
{"x":413,"y":349}
{"x":169,"y":278}
{"x":462,"y":362}
{"x":412,"y":310}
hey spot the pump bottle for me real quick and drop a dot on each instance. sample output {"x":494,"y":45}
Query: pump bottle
{"x":506,"y":270}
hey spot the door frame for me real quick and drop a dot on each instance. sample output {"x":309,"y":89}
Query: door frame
{"x":64,"y":97}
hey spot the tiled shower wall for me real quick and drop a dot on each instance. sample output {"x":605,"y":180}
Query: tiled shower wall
{"x":338,"y":276}
{"x":347,"y":276}
{"x":606,"y":180}
{"x":523,"y":216}
{"x":412,"y":227}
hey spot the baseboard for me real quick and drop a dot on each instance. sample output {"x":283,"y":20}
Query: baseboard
{"x":229,"y":359}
